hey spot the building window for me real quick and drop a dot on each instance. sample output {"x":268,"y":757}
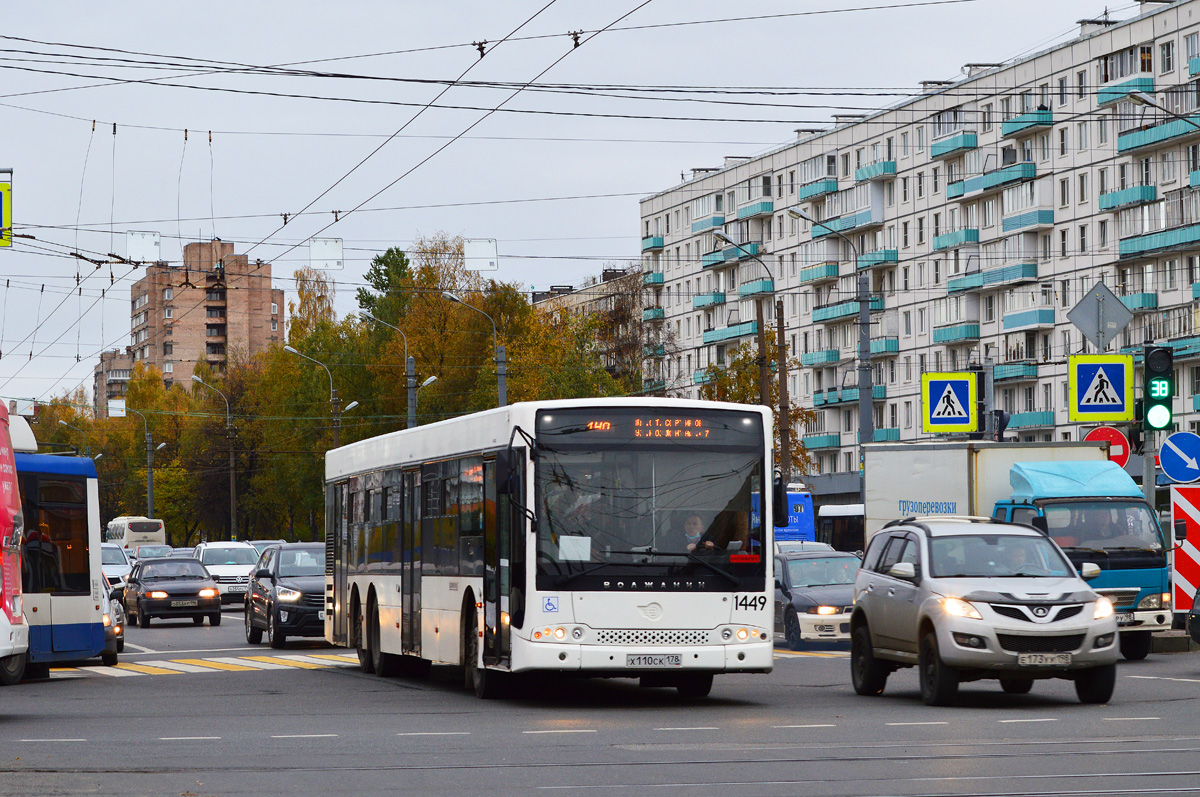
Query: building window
{"x":1081,"y":84}
{"x":920,"y":184}
{"x":1062,"y":91}
{"x":1102,"y":234}
{"x":274,"y":325}
{"x":168,"y":293}
{"x":1062,"y":243}
{"x":1064,"y":192}
{"x":1063,"y":140}
{"x":1083,"y":247}
{"x":1083,"y":188}
{"x":1166,"y":52}
{"x":168,"y":368}
{"x":935,"y":179}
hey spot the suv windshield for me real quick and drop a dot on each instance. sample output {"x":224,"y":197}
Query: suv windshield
{"x":1103,"y":525}
{"x":995,"y":555}
{"x":823,"y":572}
{"x":112,"y":556}
{"x":184,"y":568}
{"x":297,"y":562}
{"x":229,"y":556}
{"x":629,"y":492}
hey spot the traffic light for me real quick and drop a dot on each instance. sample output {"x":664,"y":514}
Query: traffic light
{"x":1158,"y":388}
{"x":1000,"y":420}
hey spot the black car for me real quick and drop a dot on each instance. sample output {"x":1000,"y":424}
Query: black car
{"x":169,"y":588}
{"x":814,"y":595}
{"x":287,"y":594}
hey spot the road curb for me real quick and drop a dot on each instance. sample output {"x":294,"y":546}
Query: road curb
{"x":1173,"y":642}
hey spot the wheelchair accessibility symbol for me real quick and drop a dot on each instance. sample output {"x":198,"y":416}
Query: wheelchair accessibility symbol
{"x":550,"y":605}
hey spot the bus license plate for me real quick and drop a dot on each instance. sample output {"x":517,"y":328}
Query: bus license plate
{"x":182,"y":604}
{"x":1124,"y":618}
{"x":1043,"y":659}
{"x":658,"y":660}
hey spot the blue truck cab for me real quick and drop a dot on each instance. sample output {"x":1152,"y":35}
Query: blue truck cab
{"x":1096,"y":513}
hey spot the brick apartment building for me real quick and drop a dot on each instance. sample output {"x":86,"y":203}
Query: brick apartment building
{"x":215,"y":304}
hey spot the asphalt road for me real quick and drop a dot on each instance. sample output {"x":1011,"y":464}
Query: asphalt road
{"x":195,"y":711}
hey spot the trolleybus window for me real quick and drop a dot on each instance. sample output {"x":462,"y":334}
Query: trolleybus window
{"x":55,"y":555}
{"x":650,"y":494}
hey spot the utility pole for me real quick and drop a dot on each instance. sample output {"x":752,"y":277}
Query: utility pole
{"x":149,"y":476}
{"x":763,"y":374}
{"x":785,"y":418}
{"x":232,"y":481}
{"x":410,"y":374}
{"x":337,"y":417}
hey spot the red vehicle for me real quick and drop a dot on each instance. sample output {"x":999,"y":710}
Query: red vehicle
{"x":14,"y":631}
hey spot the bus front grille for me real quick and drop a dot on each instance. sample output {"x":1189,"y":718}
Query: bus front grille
{"x":651,"y":637}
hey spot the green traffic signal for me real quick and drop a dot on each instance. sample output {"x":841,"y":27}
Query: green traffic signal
{"x":1158,"y":388}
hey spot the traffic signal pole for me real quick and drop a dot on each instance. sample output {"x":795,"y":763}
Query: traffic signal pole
{"x":1148,"y":473}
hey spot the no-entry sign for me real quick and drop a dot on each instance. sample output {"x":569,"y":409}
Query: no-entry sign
{"x":1118,"y":444}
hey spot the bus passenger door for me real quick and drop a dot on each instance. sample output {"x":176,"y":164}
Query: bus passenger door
{"x":337,"y":549}
{"x":410,"y":569}
{"x":503,"y":525}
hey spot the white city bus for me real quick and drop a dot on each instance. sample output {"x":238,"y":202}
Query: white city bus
{"x":551,"y":536}
{"x":130,"y":531}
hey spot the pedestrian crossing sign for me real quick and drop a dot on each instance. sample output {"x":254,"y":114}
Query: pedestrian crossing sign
{"x":950,"y":402}
{"x":1100,"y":387}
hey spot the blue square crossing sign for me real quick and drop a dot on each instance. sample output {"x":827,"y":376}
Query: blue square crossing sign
{"x":949,"y":403}
{"x":1100,"y":387}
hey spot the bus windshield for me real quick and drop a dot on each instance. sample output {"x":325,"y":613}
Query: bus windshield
{"x":1103,"y":525}
{"x":626,"y":493}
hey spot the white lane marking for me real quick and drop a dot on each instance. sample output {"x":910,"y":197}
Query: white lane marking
{"x":258,"y":665}
{"x":175,"y":665}
{"x":700,"y":728}
{"x":1129,"y":719}
{"x":199,"y":650}
{"x":139,"y":648}
{"x":436,"y":733}
{"x":899,"y":724}
{"x":187,"y":738}
{"x":1039,"y":719}
{"x":51,"y":740}
{"x":804,"y":726}
{"x":115,"y":672}
{"x":566,"y":730}
{"x":1161,"y":678}
{"x":305,"y":736}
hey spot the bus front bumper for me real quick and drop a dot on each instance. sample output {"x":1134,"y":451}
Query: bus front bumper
{"x":643,"y":660}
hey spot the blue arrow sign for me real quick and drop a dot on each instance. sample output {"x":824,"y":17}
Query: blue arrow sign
{"x":1180,"y":457}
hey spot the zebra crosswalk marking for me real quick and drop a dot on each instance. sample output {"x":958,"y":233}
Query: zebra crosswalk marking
{"x":145,"y":669}
{"x":305,"y":665}
{"x":217,"y":664}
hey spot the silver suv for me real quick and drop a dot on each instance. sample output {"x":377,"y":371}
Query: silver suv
{"x":969,"y":598}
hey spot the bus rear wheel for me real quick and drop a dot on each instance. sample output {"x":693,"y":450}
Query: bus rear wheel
{"x":12,"y":669}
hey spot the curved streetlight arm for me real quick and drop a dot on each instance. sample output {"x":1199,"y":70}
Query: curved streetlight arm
{"x":720,"y":236}
{"x":450,"y":297}
{"x":87,"y":450}
{"x":200,"y":381}
{"x":370,"y":317}
{"x":497,"y":350}
{"x":318,"y":362}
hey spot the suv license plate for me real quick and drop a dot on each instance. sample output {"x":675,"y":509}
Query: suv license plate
{"x":178,"y":604}
{"x":660,"y":660}
{"x":1043,"y":659}
{"x":1124,"y":618}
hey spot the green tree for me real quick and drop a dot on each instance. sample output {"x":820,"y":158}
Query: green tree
{"x":388,"y":276}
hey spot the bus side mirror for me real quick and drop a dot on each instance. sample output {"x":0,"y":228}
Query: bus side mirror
{"x":508,"y":472}
{"x":779,"y":503}
{"x":1181,"y":529}
{"x":1039,"y":523}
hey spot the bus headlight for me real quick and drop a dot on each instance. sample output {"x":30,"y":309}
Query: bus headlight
{"x":560,"y":633}
{"x":742,"y":634}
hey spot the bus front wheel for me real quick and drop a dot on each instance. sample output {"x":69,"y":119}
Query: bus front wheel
{"x":12,"y":669}
{"x":486,"y":683}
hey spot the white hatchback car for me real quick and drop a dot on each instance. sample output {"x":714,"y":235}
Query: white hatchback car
{"x":229,"y":563}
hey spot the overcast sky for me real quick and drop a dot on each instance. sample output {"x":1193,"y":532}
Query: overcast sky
{"x":274,"y":155}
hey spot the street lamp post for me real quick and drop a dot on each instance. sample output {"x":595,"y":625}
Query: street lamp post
{"x":410,"y":367}
{"x":866,"y":416}
{"x":424,"y":385}
{"x":232,"y":473}
{"x":333,"y":397}
{"x":87,"y":451}
{"x":501,"y":365}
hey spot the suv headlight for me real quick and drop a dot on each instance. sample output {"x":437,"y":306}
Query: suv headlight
{"x":287,"y":594}
{"x":960,"y":608}
{"x":1104,"y":608}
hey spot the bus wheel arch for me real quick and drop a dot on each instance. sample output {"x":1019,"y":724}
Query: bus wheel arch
{"x":355,"y":632}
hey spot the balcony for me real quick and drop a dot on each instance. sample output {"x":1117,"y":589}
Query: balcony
{"x":756,"y":288}
{"x":816,"y":189}
{"x":653,"y":350}
{"x":708,"y":300}
{"x":1115,"y":92}
{"x":819,"y":273}
{"x":1194,"y":67}
{"x":1029,"y":220}
{"x":1163,"y":239}
{"x":1134,"y":195}
{"x":875,"y":171}
{"x":1026,"y":123}
{"x":888,"y":345}
{"x":956,"y":333}
{"x":814,"y":441}
{"x":651,"y":278}
{"x":730,"y":332}
{"x":712,"y":259}
{"x":1152,"y":136}
{"x":701,"y":377}
{"x":652,"y":243}
{"x":1028,"y":319}
{"x":700,"y":225}
{"x":1015,"y":372}
{"x":1194,"y":180}
{"x":886,"y":436}
{"x":849,"y":395}
{"x":653,"y":314}
{"x":817,"y":358}
{"x":832,"y":312}
{"x":763,"y":207}
{"x":1140,"y":301}
{"x":651,"y":385}
{"x":1027,"y":420}
{"x":878,"y":258}
{"x":957,"y":238}
{"x":743,"y":251}
{"x":990,"y":181}
{"x":953,"y":145}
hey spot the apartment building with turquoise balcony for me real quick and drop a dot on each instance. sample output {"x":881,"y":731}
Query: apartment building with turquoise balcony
{"x":982,"y":208}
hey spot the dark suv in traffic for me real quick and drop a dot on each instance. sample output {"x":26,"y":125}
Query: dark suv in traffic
{"x":287,"y":594}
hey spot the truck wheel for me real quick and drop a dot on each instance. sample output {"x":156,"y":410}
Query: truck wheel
{"x":1135,"y":645}
{"x":868,"y":673}
{"x":1016,"y":686}
{"x":1096,"y":685}
{"x":939,"y":683}
{"x":12,"y":669}
{"x":791,"y":629}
